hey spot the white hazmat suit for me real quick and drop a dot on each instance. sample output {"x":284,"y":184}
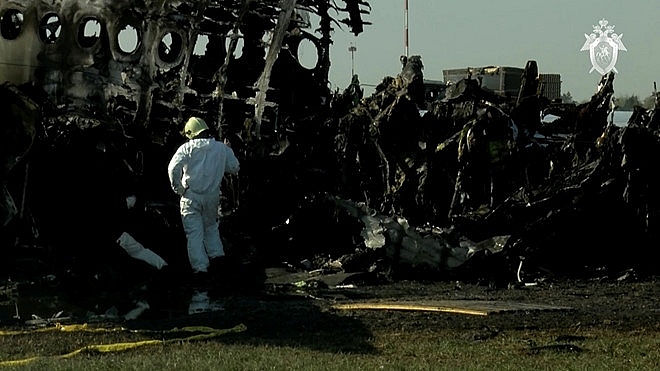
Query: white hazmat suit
{"x":196,"y":171}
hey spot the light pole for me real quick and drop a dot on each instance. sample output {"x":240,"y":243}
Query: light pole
{"x":352,"y":48}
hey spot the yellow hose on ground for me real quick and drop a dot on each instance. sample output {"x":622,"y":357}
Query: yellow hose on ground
{"x":207,"y":333}
{"x":410,"y":307}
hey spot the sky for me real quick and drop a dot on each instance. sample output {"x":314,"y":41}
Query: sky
{"x":450,"y":34}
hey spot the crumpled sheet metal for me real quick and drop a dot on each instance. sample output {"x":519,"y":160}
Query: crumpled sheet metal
{"x":574,"y":179}
{"x":413,"y":246}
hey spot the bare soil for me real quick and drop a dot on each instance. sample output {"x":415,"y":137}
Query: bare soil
{"x":306,"y":314}
{"x":580,"y":303}
{"x":308,"y":318}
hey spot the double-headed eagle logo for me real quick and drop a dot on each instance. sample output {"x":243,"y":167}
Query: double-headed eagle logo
{"x":603,"y":46}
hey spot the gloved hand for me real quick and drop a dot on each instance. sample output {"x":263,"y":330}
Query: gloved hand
{"x":130,"y":201}
{"x":179,"y":188}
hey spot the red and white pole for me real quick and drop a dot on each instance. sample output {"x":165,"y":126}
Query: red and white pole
{"x":405,"y":27}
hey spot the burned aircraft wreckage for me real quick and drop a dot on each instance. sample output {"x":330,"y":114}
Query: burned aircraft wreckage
{"x":471,"y":184}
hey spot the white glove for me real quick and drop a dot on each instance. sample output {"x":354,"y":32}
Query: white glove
{"x":130,"y":201}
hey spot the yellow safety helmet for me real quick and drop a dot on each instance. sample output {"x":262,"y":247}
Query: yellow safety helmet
{"x":194,"y":126}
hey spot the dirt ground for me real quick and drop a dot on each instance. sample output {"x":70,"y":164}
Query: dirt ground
{"x":308,"y":312}
{"x":565,"y":304}
{"x":309,"y":316}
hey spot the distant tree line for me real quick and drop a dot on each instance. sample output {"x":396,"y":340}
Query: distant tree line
{"x":623,"y":103}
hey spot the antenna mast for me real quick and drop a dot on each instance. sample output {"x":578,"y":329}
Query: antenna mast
{"x":405,"y":27}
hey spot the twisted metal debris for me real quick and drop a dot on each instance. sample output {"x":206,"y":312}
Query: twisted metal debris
{"x":472,"y":183}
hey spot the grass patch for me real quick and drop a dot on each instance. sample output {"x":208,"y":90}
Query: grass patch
{"x":425,"y":349}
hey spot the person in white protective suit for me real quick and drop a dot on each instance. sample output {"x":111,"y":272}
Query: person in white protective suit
{"x":195,"y":172}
